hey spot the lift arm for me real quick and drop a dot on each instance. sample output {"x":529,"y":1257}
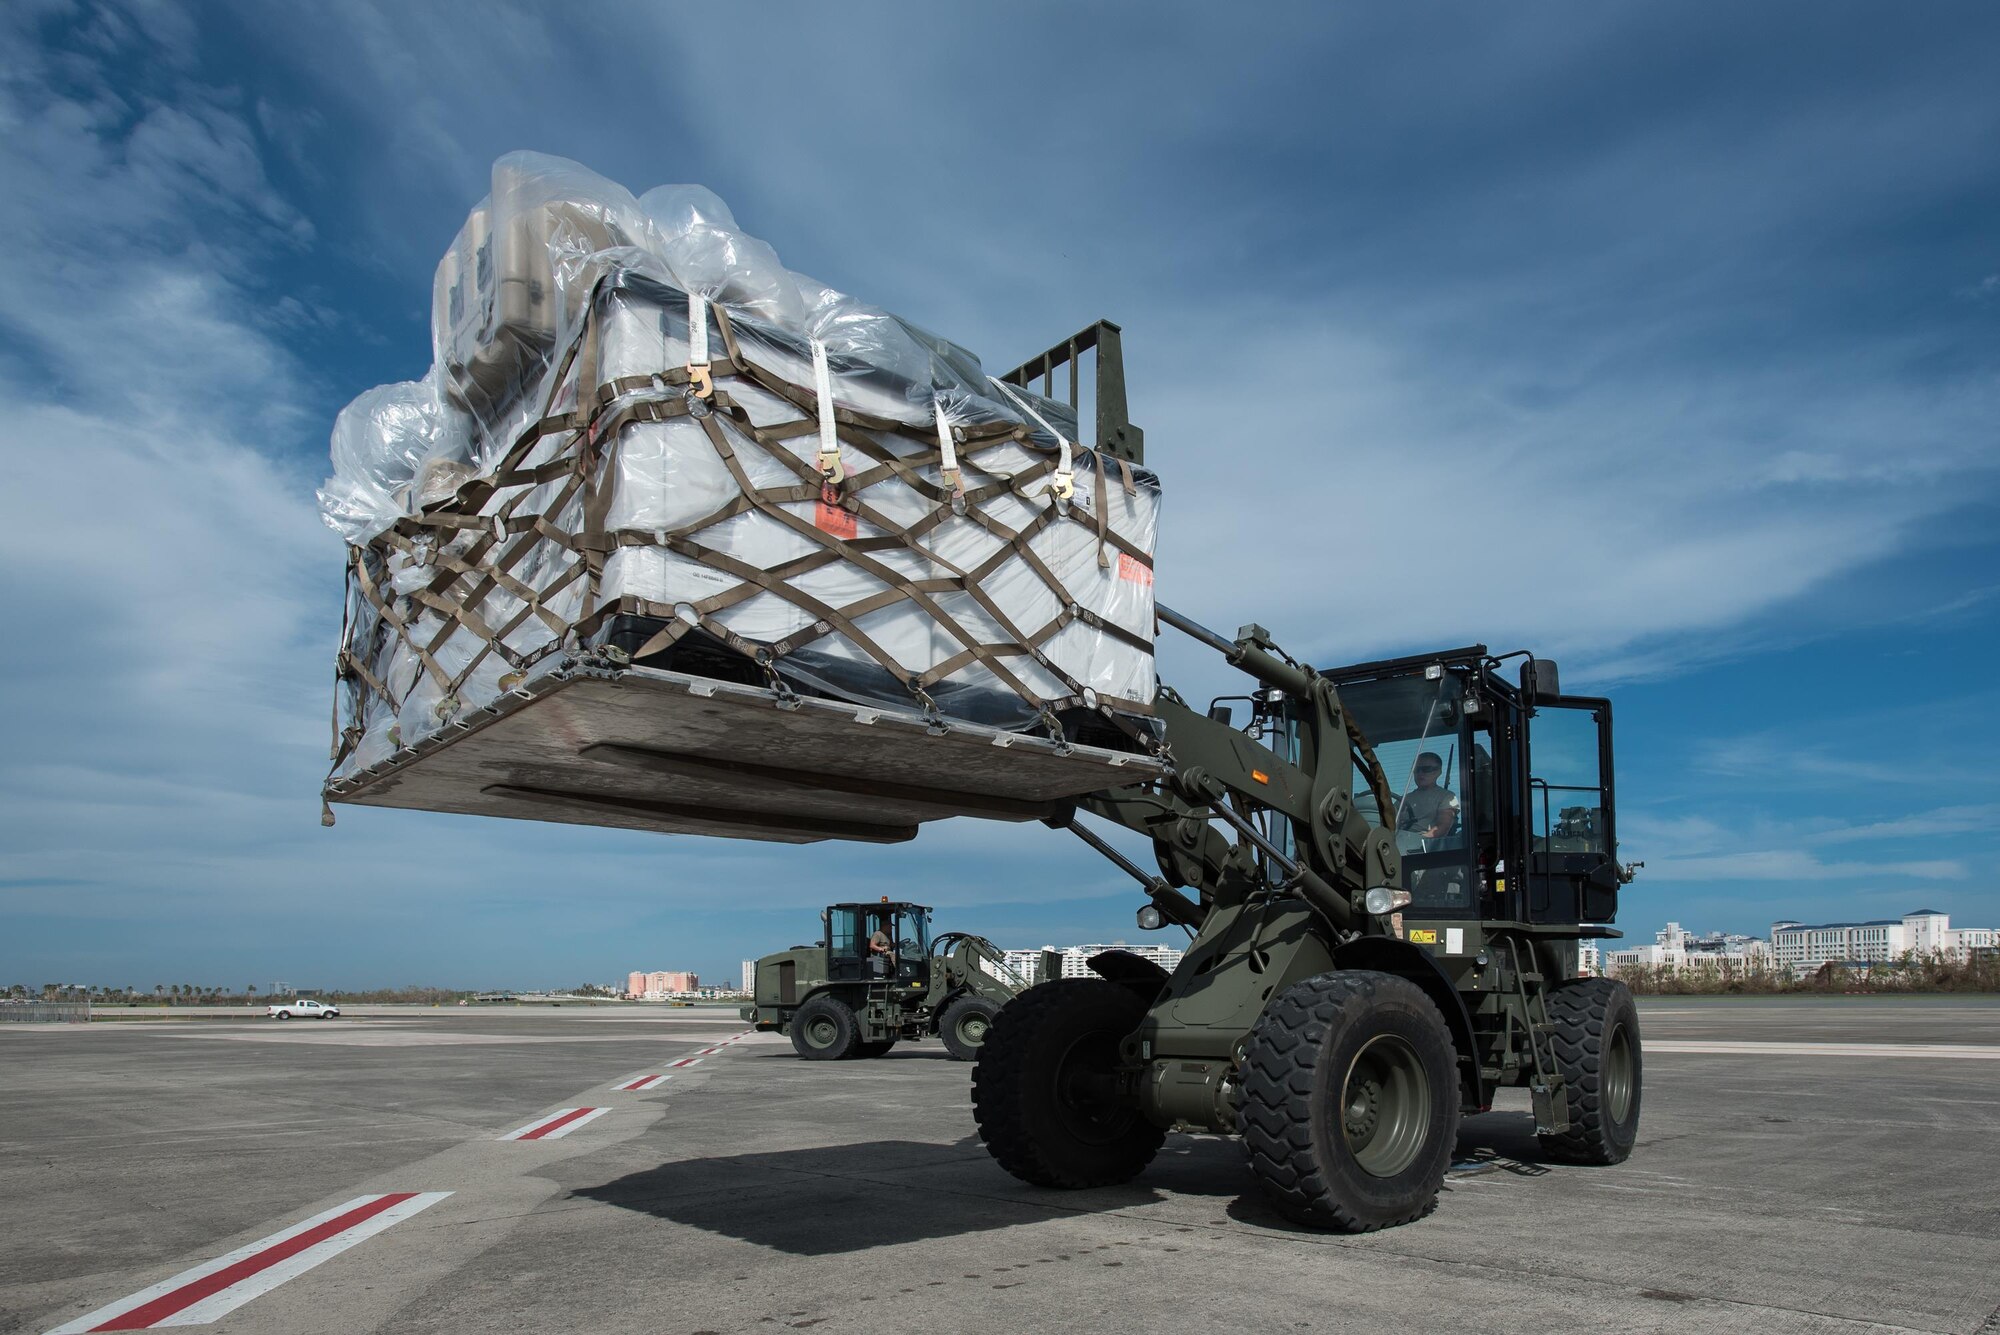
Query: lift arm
{"x":1221,"y":775}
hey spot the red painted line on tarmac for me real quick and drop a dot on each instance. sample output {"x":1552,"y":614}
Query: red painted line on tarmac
{"x":644,"y":1082}
{"x":226,"y":1283}
{"x":555,"y":1125}
{"x":189,"y":1294}
{"x":686,"y":1061}
{"x":558,"y":1123}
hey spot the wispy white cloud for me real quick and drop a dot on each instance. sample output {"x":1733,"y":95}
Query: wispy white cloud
{"x":1795,"y":865}
{"x":1953,"y":820}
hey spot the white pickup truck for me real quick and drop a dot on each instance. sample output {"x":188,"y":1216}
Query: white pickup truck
{"x":301,"y":1008}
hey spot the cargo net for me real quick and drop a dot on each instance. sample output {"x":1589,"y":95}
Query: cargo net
{"x":725,"y":516}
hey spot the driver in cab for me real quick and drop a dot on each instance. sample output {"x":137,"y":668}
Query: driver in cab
{"x":1427,"y":810}
{"x":881,"y":951}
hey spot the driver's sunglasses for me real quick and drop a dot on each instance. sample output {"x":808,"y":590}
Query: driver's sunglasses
{"x":1430,"y":769}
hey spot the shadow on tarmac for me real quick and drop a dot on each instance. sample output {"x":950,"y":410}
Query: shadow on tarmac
{"x":830,"y":1200}
{"x":849,"y":1198}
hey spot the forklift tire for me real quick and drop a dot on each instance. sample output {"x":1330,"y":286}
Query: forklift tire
{"x":823,"y":1030}
{"x":1594,"y":1033}
{"x":964,"y":1026}
{"x":874,"y":1049}
{"x":1350,"y":1101}
{"x":1043,"y":1087}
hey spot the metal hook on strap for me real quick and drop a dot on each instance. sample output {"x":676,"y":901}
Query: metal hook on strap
{"x":788,"y":699}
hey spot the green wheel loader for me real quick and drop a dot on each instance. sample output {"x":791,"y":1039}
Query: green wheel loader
{"x":876,"y":978}
{"x":1385,"y":871}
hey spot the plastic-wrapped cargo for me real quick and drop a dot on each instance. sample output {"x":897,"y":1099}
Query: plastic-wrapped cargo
{"x":645,"y":445}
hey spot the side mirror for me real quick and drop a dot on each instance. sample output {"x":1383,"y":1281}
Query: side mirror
{"x":1540,"y":680}
{"x":1151,"y":919}
{"x":1221,"y":714}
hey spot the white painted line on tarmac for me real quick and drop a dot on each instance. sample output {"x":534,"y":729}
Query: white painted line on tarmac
{"x":1730,"y":1048}
{"x":686,"y":1061}
{"x":216,"y":1288}
{"x":643,"y":1083}
{"x":556,"y":1125}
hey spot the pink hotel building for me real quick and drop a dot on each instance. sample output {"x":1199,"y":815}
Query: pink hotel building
{"x":660,"y":982}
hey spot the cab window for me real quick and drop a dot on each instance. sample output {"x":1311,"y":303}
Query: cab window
{"x":843,"y":932}
{"x":1567,"y":803}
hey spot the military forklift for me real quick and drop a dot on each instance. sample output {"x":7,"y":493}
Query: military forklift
{"x":877,"y":977}
{"x":1385,"y":871}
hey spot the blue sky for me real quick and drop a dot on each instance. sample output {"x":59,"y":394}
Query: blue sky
{"x":1665,"y":340}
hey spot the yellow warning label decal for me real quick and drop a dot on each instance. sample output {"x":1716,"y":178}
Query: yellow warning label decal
{"x":1423,"y":936}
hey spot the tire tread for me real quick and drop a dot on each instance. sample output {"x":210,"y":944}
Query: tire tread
{"x":1274,"y":1117}
{"x":1579,"y":1011}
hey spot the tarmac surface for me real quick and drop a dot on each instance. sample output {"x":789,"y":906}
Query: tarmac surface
{"x":1822,"y":1165}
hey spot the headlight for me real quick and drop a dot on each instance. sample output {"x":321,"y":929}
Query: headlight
{"x":1381,"y":899}
{"x":1151,"y":919}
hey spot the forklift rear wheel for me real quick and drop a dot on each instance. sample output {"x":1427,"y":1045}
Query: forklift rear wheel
{"x":964,"y":1025}
{"x":1350,"y":1101}
{"x":823,"y":1030}
{"x":874,"y":1049}
{"x":1045,"y":1091}
{"x":1594,"y":1033}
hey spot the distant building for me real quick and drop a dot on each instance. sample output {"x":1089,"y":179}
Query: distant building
{"x":1076,"y":959}
{"x":1802,"y":947}
{"x":661,"y":983}
{"x":1024,"y":962}
{"x":1674,"y":947}
{"x":1589,"y":958}
{"x":749,"y":976}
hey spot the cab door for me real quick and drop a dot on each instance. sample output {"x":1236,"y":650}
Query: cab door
{"x":846,"y":944}
{"x":1573,"y":844}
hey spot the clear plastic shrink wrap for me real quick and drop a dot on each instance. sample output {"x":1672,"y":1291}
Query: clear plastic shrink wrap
{"x":624,"y":441}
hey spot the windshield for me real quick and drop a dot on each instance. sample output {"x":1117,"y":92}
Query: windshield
{"x":1417,"y":729}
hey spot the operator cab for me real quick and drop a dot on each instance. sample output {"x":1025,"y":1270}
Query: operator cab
{"x":1502,"y":798}
{"x":850,"y":927}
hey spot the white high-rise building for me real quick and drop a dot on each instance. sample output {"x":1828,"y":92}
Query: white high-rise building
{"x":749,"y":977}
{"x":1076,"y":959}
{"x":1674,"y":947}
{"x":1803,"y":947}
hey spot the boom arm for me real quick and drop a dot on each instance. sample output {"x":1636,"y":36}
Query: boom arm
{"x":1221,"y":774}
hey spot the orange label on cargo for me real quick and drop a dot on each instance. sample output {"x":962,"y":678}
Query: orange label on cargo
{"x":1132,"y":568}
{"x":832,"y":519}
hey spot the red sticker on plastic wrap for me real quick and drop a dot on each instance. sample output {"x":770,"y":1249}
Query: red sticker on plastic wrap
{"x":1132,"y":568}
{"x":841,"y":523}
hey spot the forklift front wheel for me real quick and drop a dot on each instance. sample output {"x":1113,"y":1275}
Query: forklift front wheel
{"x":823,"y":1030}
{"x":964,"y":1024}
{"x":1350,"y":1101}
{"x":1045,"y":1089}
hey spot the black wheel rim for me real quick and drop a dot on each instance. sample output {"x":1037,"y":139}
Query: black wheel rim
{"x":1384,"y":1110}
{"x":972,"y":1028}
{"x":1620,"y":1063}
{"x":822,"y":1032}
{"x":1085,"y":1090}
